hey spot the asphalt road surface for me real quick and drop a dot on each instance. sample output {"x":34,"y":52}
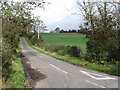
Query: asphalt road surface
{"x":64,"y":75}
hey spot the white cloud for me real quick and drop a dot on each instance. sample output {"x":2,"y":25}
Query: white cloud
{"x":57,"y":13}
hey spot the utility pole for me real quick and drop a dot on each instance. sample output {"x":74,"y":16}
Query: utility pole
{"x":37,"y":27}
{"x":38,"y":32}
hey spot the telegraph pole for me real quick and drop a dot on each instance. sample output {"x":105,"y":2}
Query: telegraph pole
{"x":38,"y":32}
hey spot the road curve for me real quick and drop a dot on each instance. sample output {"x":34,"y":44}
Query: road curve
{"x":64,"y":75}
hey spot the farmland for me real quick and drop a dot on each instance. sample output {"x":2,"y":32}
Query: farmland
{"x":66,"y":39}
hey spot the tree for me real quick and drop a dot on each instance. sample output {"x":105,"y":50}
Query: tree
{"x":57,"y":30}
{"x":62,"y":31}
{"x":69,"y":31}
{"x":73,"y":31}
{"x":88,"y":10}
{"x":16,"y":19}
{"x":102,"y":19}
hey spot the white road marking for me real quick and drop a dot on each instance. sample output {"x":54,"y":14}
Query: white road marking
{"x":33,"y":67}
{"x":102,"y":77}
{"x":94,"y":84}
{"x":58,"y":68}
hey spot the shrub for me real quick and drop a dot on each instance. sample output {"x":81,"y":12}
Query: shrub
{"x":103,"y":45}
{"x":7,"y":54}
{"x":74,"y":51}
{"x":61,"y":50}
{"x":48,"y":47}
{"x":29,"y":35}
{"x":9,"y":45}
{"x":33,"y":38}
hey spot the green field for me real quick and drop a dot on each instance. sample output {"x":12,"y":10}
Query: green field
{"x":71,"y":39}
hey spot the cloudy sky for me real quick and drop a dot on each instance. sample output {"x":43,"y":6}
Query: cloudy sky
{"x":58,"y":14}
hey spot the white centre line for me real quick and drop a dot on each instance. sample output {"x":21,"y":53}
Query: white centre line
{"x":94,"y":84}
{"x":58,"y":68}
{"x":101,"y":77}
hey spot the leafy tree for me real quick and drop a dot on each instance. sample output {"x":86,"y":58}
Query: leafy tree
{"x":102,"y":20}
{"x":16,"y":19}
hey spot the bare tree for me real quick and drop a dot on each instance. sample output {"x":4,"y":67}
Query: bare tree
{"x":87,"y":10}
{"x":96,"y":13}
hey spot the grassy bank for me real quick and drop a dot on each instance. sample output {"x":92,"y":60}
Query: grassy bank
{"x":16,"y":77}
{"x":0,"y":63}
{"x":108,"y":68}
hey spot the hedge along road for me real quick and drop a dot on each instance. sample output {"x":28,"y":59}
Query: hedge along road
{"x":60,"y":74}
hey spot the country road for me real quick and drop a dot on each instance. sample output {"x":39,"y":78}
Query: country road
{"x":64,"y":75}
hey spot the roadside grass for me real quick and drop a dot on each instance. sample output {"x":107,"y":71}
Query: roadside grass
{"x":16,"y":77}
{"x":1,"y":64}
{"x":110,"y":69}
{"x":66,"y":39}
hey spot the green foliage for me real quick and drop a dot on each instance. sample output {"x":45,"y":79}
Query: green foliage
{"x":0,"y":62}
{"x":74,"y":51}
{"x":103,"y":45}
{"x":16,"y":20}
{"x":102,"y":22}
{"x":33,"y":38}
{"x":7,"y":57}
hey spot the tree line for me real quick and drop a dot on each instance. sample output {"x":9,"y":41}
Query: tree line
{"x":82,"y":30}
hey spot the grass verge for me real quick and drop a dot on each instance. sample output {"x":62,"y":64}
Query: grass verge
{"x":109,"y":69}
{"x":16,"y":78}
{"x":0,"y":63}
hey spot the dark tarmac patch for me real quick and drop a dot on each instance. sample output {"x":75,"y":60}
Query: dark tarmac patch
{"x":33,"y":75}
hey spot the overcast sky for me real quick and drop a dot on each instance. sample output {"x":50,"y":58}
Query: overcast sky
{"x":58,"y":14}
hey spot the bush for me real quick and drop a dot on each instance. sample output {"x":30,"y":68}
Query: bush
{"x":33,"y":38}
{"x":103,"y":46}
{"x":9,"y":45}
{"x":63,"y":50}
{"x":74,"y":51}
{"x":29,"y":35}
{"x":7,"y":56}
